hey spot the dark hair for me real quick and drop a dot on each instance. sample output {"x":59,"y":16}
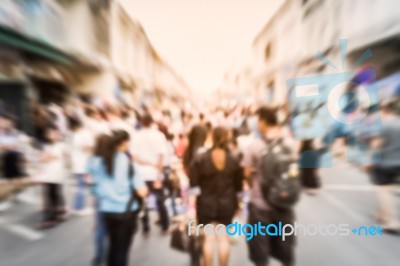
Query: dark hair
{"x":115,"y":140}
{"x":235,"y":133}
{"x":7,"y":115}
{"x":244,"y":128}
{"x":113,"y":110}
{"x":307,"y":145}
{"x":170,"y":137}
{"x":125,"y":113}
{"x":234,"y":142}
{"x":102,"y":144}
{"x":147,"y":120}
{"x":208,"y":126}
{"x":268,"y":115}
{"x":85,"y":98}
{"x":53,"y":116}
{"x":163,"y":129}
{"x":201,"y":116}
{"x":90,"y":112}
{"x":388,"y":106}
{"x":49,"y":127}
{"x":196,"y":138}
{"x":220,"y":138}
{"x":102,"y":113}
{"x":74,"y":123}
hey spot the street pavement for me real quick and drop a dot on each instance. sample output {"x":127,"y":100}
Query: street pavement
{"x":346,"y":197}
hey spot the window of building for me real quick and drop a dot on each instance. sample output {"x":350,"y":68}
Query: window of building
{"x":268,"y":51}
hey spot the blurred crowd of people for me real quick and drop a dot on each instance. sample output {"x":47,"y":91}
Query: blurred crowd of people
{"x":200,"y":164}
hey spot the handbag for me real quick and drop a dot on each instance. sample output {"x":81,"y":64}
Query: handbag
{"x":181,"y":241}
{"x":180,"y":238}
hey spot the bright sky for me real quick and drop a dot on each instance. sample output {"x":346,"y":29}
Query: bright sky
{"x":201,"y":38}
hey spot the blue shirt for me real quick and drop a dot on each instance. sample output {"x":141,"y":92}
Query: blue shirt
{"x":114,"y":192}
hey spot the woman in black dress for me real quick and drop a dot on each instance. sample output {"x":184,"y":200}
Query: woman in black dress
{"x":217,"y":176}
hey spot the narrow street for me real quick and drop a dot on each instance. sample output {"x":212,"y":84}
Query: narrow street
{"x":208,"y":113}
{"x":346,"y":197}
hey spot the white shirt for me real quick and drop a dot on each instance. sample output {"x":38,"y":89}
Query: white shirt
{"x":119,"y":124}
{"x":149,"y":144}
{"x":170,"y":156}
{"x":10,"y":139}
{"x":80,"y":141}
{"x":97,"y":127}
{"x":54,"y":171}
{"x":61,"y":120}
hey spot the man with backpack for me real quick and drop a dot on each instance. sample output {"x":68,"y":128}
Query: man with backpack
{"x":270,"y":167}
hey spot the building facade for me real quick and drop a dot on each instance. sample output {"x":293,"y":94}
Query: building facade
{"x":288,"y":44}
{"x":51,"y":50}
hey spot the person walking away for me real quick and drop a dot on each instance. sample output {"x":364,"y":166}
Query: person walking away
{"x":261,"y":248}
{"x":181,"y":144}
{"x":53,"y":174}
{"x":100,"y":149}
{"x":41,"y":119}
{"x":217,"y":177}
{"x":169,"y":181}
{"x":81,"y":146}
{"x":12,"y":159}
{"x":386,"y":171}
{"x":196,"y":140}
{"x":234,"y":146}
{"x":118,"y":190}
{"x":309,"y":164}
{"x":149,"y":152}
{"x":170,"y":157}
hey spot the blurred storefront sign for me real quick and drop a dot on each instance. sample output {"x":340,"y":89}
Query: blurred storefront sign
{"x":47,"y":72}
{"x":10,"y":72}
{"x":10,"y":68}
{"x":20,"y":41}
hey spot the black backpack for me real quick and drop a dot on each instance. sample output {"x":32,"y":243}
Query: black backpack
{"x":280,"y":176}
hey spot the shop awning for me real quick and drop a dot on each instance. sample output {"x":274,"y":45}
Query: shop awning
{"x":30,"y":45}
